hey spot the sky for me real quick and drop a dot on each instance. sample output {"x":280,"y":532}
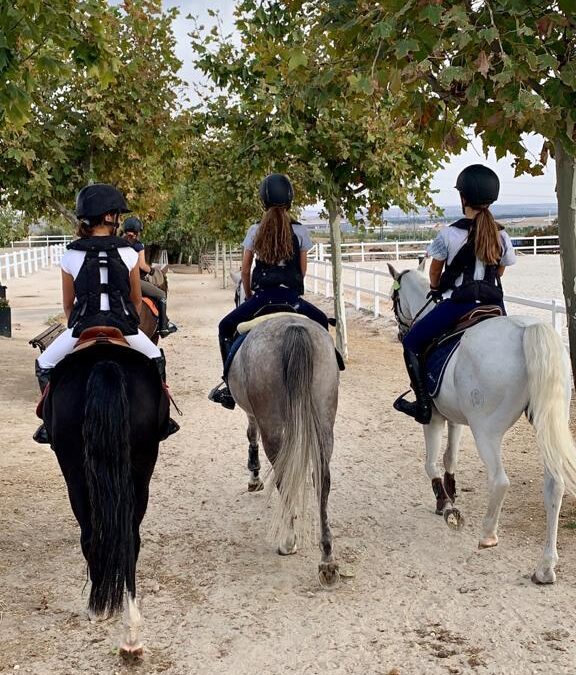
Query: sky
{"x":521,"y":190}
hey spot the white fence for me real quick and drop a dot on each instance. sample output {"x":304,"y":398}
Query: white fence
{"x":42,"y":240}
{"x":319,"y":281}
{"x":395,"y":250}
{"x":30,"y":260}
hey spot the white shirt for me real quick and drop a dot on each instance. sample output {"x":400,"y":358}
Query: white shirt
{"x":451,"y":239}
{"x":72,"y":262}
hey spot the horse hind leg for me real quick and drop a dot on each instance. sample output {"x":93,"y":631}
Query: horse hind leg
{"x":489,"y":448}
{"x":553,"y":492}
{"x":255,"y":483}
{"x":131,"y":648}
{"x":328,"y":568}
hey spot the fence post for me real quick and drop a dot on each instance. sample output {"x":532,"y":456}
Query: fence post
{"x":321,"y":252}
{"x":362,"y":252}
{"x":534,"y":246}
{"x":397,"y":251}
{"x":23,"y":263}
{"x":29,"y":261}
{"x":555,"y":323}
{"x":315,"y":275}
{"x":376,"y":298}
{"x":357,"y":288}
{"x":7,"y":263}
{"x":35,"y":259}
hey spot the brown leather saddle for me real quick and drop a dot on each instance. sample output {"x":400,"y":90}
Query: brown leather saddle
{"x":100,"y":335}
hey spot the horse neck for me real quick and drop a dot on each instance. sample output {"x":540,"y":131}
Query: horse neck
{"x":416,"y":297}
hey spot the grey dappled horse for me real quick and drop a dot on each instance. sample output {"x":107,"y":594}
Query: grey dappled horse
{"x":285,"y":378}
{"x":504,"y":367}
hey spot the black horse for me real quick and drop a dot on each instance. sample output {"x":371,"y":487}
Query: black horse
{"x":105,"y":414}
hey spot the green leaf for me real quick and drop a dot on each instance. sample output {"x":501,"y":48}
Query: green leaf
{"x":403,"y":47}
{"x":297,"y":59}
{"x":432,"y":13}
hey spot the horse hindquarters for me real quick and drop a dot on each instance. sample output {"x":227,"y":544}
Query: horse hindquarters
{"x":107,"y":464}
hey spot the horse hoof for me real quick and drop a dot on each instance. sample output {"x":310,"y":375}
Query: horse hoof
{"x":488,"y":543}
{"x":256,"y":487}
{"x":132,"y":654}
{"x":284,"y":550}
{"x":454,"y":519}
{"x":549,"y":578}
{"x":328,"y":575}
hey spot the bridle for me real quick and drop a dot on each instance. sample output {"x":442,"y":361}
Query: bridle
{"x":404,"y":322}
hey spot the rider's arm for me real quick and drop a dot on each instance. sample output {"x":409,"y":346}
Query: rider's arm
{"x":135,"y":288}
{"x":501,"y":270}
{"x":303,"y":262}
{"x":246,"y":271}
{"x":142,"y":264}
{"x":436,"y":267}
{"x":68,"y":294}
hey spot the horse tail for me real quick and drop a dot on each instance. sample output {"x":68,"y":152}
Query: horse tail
{"x":111,"y":554}
{"x":549,"y":387}
{"x":302,"y":439}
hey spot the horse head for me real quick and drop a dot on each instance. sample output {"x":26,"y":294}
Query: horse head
{"x":239,"y":295}
{"x":408,"y":295}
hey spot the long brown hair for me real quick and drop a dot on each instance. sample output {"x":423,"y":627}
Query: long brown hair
{"x":487,"y":244}
{"x":273,"y":241}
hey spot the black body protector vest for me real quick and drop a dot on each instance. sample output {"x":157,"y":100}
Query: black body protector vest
{"x":88,"y":288}
{"x":289,"y":275}
{"x":487,"y":291}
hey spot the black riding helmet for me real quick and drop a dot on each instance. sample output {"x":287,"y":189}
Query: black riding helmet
{"x":276,"y":190}
{"x":132,"y":224}
{"x":478,"y":185}
{"x":99,"y":198}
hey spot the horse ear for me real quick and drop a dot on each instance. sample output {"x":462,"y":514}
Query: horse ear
{"x":393,"y":273}
{"x":422,"y":264}
{"x":235,"y":276}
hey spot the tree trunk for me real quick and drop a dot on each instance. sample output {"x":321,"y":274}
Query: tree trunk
{"x":333,"y":205}
{"x":566,"y":195}
{"x":224,"y":264}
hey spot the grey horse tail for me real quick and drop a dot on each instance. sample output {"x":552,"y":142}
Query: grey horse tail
{"x":302,"y":441}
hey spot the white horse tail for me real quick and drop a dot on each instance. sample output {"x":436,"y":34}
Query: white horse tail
{"x":549,"y":387}
{"x":302,"y":438}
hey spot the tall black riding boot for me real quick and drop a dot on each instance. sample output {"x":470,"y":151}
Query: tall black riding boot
{"x":173,"y":426}
{"x":421,"y":409}
{"x":165,"y":326}
{"x":43,"y":375}
{"x":221,"y":394}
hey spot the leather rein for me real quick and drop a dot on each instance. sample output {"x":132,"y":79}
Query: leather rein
{"x":403,"y":323}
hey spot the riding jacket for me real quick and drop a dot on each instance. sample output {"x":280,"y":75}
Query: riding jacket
{"x":102,"y":285}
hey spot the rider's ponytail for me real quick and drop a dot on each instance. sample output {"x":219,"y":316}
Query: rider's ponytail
{"x":273,"y":241}
{"x":488,"y":247}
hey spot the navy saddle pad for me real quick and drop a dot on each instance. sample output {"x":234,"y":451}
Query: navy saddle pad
{"x":233,"y":351}
{"x":437,"y":361}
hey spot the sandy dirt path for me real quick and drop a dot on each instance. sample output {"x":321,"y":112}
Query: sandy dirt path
{"x":216,"y":598}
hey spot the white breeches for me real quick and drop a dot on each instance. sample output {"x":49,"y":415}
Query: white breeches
{"x":65,"y":343}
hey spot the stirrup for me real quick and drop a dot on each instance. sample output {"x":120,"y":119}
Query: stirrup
{"x":221,"y":394}
{"x":172,"y":428}
{"x":170,"y":328}
{"x":421,"y":413}
{"x":41,"y":435}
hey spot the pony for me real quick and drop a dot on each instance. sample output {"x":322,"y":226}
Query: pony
{"x":105,"y":414}
{"x":504,"y":367}
{"x":285,"y":377}
{"x":148,"y":311}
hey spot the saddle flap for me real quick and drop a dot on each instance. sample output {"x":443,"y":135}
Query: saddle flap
{"x":100,"y":335}
{"x":247,"y":326}
{"x":476,"y":315}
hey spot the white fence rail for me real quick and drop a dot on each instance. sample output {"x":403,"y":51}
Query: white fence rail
{"x":395,"y":250}
{"x":42,"y":240}
{"x":30,"y":260}
{"x":319,"y":282}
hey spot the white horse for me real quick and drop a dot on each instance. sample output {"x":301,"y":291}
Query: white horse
{"x":503,"y":367}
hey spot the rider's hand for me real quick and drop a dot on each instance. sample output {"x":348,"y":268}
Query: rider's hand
{"x":435,"y":294}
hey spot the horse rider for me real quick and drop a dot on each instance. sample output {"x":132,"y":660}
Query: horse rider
{"x":279,"y":244}
{"x":100,"y":284}
{"x":475,"y":250}
{"x":132,"y":229}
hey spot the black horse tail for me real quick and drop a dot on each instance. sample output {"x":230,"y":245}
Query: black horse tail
{"x":111,"y":550}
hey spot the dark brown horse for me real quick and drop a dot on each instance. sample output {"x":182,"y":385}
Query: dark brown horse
{"x":148,"y":313}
